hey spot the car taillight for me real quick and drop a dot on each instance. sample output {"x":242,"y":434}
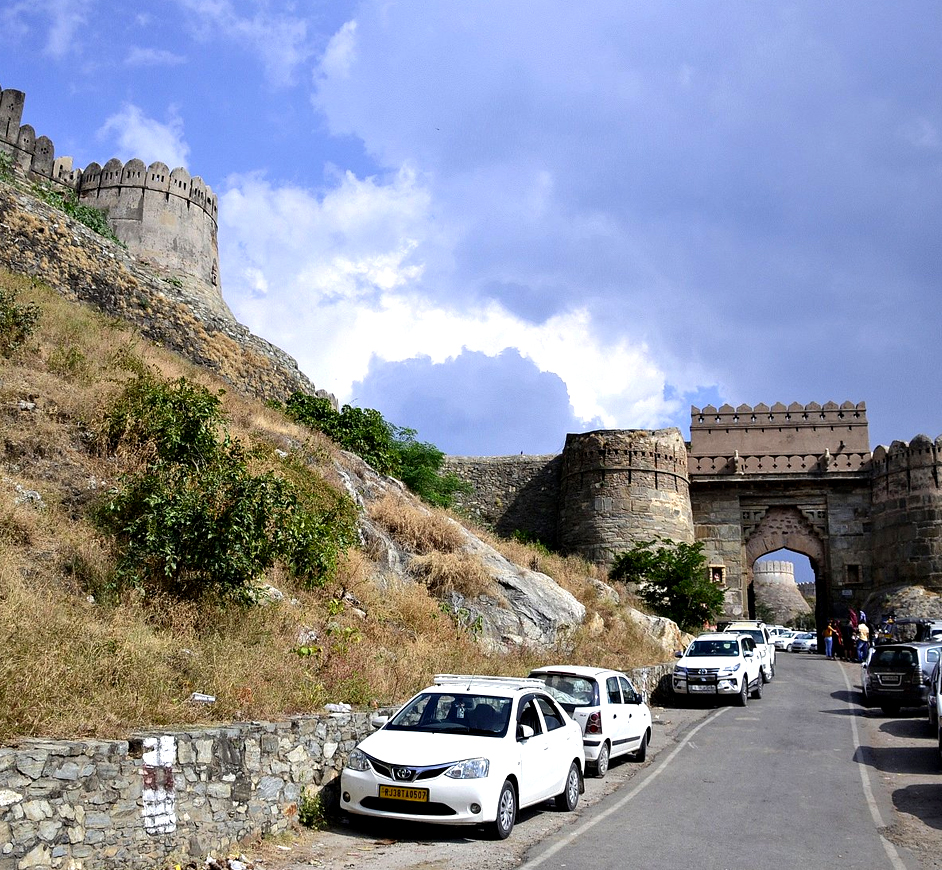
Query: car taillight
{"x":594,"y":724}
{"x":918,"y":679}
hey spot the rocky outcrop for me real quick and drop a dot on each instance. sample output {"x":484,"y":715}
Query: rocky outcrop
{"x":528,"y":608}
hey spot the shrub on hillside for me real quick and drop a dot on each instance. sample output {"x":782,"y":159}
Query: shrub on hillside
{"x":17,"y":322}
{"x":197,"y":518}
{"x":388,"y":449}
{"x":66,"y":201}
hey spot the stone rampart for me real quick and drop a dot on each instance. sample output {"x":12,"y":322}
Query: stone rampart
{"x":797,"y":439}
{"x":620,"y":487}
{"x":906,"y":513}
{"x":166,"y":218}
{"x":510,"y":493}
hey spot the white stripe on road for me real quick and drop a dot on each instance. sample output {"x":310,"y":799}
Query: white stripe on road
{"x":875,"y":814}
{"x":585,"y":826}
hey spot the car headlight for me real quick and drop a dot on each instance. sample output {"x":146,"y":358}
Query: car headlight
{"x":729,"y":670}
{"x":470,"y":768}
{"x":679,"y":671}
{"x":358,"y":760}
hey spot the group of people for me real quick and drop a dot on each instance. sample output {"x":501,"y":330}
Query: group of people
{"x":848,"y":642}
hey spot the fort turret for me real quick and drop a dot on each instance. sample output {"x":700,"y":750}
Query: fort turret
{"x":167,"y":218}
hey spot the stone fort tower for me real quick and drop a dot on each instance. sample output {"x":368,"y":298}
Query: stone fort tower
{"x":751,"y":481}
{"x":167,"y":218}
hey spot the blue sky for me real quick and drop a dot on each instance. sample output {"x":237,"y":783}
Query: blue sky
{"x":499,"y":222}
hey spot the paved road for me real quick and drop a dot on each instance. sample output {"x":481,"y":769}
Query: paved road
{"x":780,"y":783}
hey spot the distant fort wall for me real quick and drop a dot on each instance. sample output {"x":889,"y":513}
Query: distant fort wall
{"x":167,"y":218}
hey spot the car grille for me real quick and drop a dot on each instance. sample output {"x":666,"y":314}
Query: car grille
{"x":702,"y":675}
{"x":416,"y":773}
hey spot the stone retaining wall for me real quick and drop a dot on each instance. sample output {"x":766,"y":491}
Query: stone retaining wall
{"x":163,"y":798}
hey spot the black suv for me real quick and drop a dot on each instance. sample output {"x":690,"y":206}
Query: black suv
{"x":897,"y":675}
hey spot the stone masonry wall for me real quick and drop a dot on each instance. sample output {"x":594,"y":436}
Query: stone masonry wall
{"x":906,"y":536}
{"x":155,"y":798}
{"x":510,"y":493}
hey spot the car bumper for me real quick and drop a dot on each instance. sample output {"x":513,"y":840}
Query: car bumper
{"x":720,"y":687}
{"x":449,"y":801}
{"x":908,"y":697}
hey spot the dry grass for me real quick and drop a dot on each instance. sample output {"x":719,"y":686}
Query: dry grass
{"x":72,"y":667}
{"x":417,"y":529}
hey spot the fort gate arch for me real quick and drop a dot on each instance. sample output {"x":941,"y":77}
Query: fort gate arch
{"x":797,"y":477}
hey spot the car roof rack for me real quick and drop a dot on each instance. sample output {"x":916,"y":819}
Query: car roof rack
{"x":506,"y":682}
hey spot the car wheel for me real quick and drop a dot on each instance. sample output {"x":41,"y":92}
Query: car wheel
{"x":601,"y":766}
{"x":757,"y":691}
{"x":890,"y":709}
{"x":570,"y":796}
{"x":642,"y":751}
{"x":506,"y":811}
{"x":743,"y":697}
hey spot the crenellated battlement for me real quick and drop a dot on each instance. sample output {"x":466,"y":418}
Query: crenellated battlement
{"x":166,"y":217}
{"x":793,"y":439}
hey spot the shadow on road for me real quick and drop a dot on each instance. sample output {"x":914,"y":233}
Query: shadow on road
{"x":900,"y":759}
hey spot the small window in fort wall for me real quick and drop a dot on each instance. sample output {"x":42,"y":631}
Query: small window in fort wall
{"x":851,"y":575}
{"x":718,"y":574}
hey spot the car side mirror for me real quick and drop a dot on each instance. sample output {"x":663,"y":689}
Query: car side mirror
{"x":378,"y":721}
{"x":524,"y":732}
{"x":678,"y":654}
{"x":748,"y":654}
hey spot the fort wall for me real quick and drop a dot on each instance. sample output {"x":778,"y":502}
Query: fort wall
{"x":166,"y":218}
{"x":907,"y":514}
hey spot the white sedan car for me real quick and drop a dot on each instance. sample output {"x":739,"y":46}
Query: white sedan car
{"x":807,"y":641}
{"x":468,"y":751}
{"x":783,"y":640}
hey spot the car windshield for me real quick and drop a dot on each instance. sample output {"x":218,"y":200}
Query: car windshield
{"x":454,"y":712}
{"x":572,"y":691}
{"x":714,"y":648}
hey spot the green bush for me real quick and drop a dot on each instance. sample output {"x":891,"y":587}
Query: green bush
{"x":66,"y":201}
{"x":6,"y":166}
{"x":673,"y":581}
{"x":311,"y":811}
{"x":17,"y":322}
{"x":387,"y":448}
{"x":196,"y":519}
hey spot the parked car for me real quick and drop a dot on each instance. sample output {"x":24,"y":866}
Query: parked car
{"x":897,"y":675}
{"x":765,"y":649}
{"x":719,"y":664}
{"x":806,"y":641}
{"x":467,"y":750}
{"x":783,"y":640}
{"x":613,"y":715}
{"x":934,"y":704}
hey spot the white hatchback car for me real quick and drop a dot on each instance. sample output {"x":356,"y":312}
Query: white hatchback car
{"x":468,"y":750}
{"x":614,"y":718}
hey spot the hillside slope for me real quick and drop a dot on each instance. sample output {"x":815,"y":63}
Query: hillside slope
{"x":419,"y":593}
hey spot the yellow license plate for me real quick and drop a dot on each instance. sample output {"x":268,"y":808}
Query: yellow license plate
{"x":401,"y":793}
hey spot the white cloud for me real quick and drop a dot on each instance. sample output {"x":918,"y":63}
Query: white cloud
{"x":281,"y":41}
{"x":340,"y":53}
{"x":145,"y":138}
{"x":63,"y":19}
{"x":138,"y":56}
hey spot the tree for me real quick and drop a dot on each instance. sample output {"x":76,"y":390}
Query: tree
{"x":673,"y":581}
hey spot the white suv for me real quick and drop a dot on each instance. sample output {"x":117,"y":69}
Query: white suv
{"x":720,"y":663}
{"x":765,"y":648}
{"x":612,"y":714}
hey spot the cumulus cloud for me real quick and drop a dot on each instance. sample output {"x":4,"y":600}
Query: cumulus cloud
{"x":62,"y":19}
{"x":147,"y":139}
